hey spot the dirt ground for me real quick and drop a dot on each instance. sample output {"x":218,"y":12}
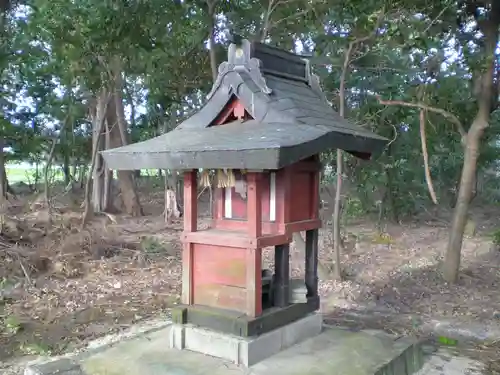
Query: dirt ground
{"x":63,"y":287}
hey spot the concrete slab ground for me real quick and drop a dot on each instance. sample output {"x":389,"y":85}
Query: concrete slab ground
{"x":334,"y":352}
{"x":447,"y":362}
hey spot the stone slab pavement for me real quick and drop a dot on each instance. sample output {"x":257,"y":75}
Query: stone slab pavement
{"x":335,"y":351}
{"x":446,"y":362}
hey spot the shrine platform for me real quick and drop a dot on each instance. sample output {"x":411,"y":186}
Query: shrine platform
{"x":336,"y":351}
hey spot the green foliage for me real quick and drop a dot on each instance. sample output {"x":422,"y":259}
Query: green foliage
{"x":152,"y":245}
{"x":60,"y":53}
{"x":496,"y":237}
{"x":383,"y":239}
{"x":11,"y":325}
{"x":35,"y":348}
{"x":447,"y":341}
{"x":352,"y":209}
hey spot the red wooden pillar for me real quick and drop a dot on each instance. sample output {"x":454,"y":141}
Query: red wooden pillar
{"x":283,"y":195}
{"x":190,"y":225}
{"x":254,"y":254}
{"x":218,"y":208}
{"x":315,"y":195}
{"x":254,"y":204}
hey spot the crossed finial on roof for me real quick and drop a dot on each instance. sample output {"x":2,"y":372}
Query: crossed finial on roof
{"x":239,"y":59}
{"x":235,"y":38}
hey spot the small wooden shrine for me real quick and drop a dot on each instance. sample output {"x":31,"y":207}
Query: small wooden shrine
{"x":264,"y":124}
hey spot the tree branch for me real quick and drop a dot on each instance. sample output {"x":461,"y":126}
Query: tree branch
{"x":435,"y":19}
{"x":309,"y":8}
{"x":343,"y":75}
{"x":425,"y":153}
{"x":440,"y":111}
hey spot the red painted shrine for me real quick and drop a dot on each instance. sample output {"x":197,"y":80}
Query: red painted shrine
{"x":257,"y":142}
{"x":264,"y":208}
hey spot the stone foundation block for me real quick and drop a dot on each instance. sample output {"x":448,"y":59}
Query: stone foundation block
{"x":245,"y":351}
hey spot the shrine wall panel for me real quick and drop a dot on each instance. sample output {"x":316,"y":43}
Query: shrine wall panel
{"x":238,"y":203}
{"x":219,"y":276}
{"x":220,"y":265}
{"x":221,"y":296}
{"x":301,"y":196}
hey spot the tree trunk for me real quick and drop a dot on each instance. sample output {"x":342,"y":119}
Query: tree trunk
{"x":213,"y":57}
{"x":118,"y":137}
{"x":82,"y":172}
{"x":336,"y":218}
{"x":391,"y":193}
{"x":37,"y":175}
{"x":3,"y":172}
{"x":173,"y":183}
{"x":100,"y":174}
{"x":98,"y":124}
{"x":75,"y":170}
{"x":46,"y":176}
{"x":107,"y":187}
{"x":64,"y":141}
{"x":66,"y":167}
{"x":485,"y":97}
{"x":338,"y":189}
{"x":323,"y":270}
{"x":451,"y":264}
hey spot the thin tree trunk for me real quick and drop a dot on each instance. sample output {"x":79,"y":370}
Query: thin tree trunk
{"x":75,"y":170}
{"x":6,"y":186}
{"x":451,"y":263}
{"x":48,"y":166}
{"x":3,"y":172}
{"x":65,"y":140}
{"x":100,"y":174}
{"x":66,"y":167}
{"x":338,"y":190}
{"x":324,"y":271}
{"x":390,"y":192}
{"x":486,"y":95}
{"x":107,"y":178}
{"x":130,"y":100}
{"x":174,"y":185}
{"x":266,"y":19}
{"x":337,"y":271}
{"x":213,"y":56}
{"x":37,"y":174}
{"x":100,"y":118}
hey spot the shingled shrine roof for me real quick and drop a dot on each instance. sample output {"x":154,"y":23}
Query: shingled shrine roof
{"x":290,"y":120}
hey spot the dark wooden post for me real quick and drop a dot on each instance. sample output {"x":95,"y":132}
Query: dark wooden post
{"x":190,"y":225}
{"x":311,"y":277}
{"x":281,"y":275}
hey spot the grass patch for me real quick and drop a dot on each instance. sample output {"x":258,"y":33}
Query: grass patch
{"x":11,"y":325}
{"x":35,"y":348}
{"x":26,"y":174}
{"x":151,"y":245}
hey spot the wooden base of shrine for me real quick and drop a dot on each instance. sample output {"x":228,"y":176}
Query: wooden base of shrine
{"x":237,"y":324}
{"x":245,"y":351}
